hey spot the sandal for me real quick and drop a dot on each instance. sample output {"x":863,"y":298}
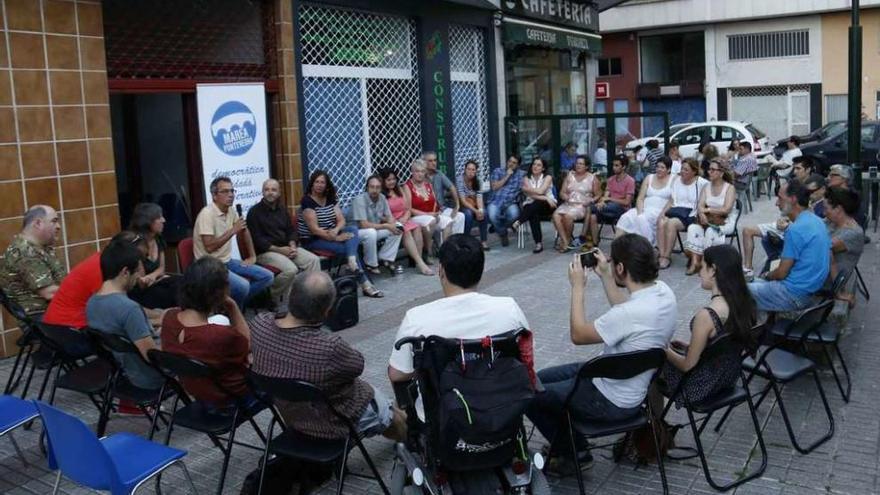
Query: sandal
{"x":427,"y":272}
{"x":373,"y":269}
{"x":695,"y":267}
{"x":660,"y":263}
{"x":538,"y":248}
{"x":372,"y":291}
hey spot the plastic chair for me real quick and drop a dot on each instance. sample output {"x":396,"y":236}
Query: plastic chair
{"x":734,"y":396}
{"x":15,"y":412}
{"x":302,"y":447}
{"x":620,"y":366}
{"x":745,"y":192}
{"x":185,"y":255}
{"x":762,"y":177}
{"x":197,"y":416}
{"x":120,"y":463}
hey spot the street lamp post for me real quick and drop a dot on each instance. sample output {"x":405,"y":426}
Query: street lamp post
{"x":854,"y":124}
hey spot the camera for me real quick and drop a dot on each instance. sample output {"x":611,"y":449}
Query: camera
{"x":588,"y":259}
{"x":398,"y":225}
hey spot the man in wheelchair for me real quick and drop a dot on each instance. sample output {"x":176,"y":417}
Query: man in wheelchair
{"x":462,"y":367}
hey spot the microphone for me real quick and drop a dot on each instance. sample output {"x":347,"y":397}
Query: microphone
{"x":238,"y":209}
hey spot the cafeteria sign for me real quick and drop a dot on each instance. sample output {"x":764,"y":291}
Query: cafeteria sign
{"x":578,"y":14}
{"x":520,"y":32}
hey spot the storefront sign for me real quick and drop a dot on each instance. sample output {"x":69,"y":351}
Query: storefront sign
{"x":233,"y":133}
{"x":520,"y":32}
{"x":579,"y":14}
{"x":436,"y":99}
{"x":602,"y":90}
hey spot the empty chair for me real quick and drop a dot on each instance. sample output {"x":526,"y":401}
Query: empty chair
{"x":27,"y":348}
{"x":120,"y":463}
{"x":15,"y":412}
{"x":620,"y":366}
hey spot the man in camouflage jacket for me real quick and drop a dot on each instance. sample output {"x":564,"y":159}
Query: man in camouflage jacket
{"x":29,"y":271}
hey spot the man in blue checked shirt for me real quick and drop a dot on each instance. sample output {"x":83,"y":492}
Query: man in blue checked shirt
{"x":503,"y":208}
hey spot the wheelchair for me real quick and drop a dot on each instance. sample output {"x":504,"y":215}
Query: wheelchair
{"x":465,"y":409}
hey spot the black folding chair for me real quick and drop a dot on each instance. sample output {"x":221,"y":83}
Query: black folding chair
{"x":120,"y":387}
{"x":293,"y":444}
{"x":620,"y":366}
{"x":607,"y":219}
{"x":195,"y":415}
{"x":781,"y":367}
{"x":735,"y":234}
{"x":28,"y":348}
{"x":74,"y":352}
{"x":822,"y":333}
{"x":722,"y":347}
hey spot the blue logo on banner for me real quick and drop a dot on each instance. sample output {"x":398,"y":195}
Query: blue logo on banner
{"x":234,"y":128}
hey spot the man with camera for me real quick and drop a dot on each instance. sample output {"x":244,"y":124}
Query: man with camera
{"x":643,"y":316}
{"x":371,"y":213}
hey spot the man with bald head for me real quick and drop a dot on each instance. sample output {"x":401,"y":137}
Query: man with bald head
{"x":29,"y":271}
{"x":275,"y":240}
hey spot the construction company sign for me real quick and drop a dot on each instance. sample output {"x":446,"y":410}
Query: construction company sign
{"x":578,"y":14}
{"x":436,"y":97}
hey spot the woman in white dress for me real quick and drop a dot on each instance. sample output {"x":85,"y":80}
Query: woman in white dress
{"x":716,"y":216}
{"x":654,"y":194}
{"x":680,"y":211}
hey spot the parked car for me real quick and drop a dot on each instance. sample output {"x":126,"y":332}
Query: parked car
{"x":830,"y":129}
{"x":659,"y":136}
{"x":720,"y":133}
{"x":833,"y":149}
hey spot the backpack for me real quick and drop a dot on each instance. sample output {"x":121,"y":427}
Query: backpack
{"x":480,"y":410}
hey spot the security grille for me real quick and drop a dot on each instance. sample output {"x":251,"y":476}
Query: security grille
{"x":360,"y":95}
{"x":768,"y":45}
{"x":779,"y":111}
{"x":470,"y":118}
{"x":170,"y":39}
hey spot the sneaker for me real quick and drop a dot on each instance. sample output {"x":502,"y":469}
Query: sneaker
{"x":576,"y":243}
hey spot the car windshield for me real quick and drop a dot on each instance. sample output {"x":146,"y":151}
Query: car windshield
{"x":672,"y":130}
{"x":756,"y":133}
{"x":831,"y":129}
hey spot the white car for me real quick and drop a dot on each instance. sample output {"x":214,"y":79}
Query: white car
{"x":659,"y":136}
{"x":720,"y":133}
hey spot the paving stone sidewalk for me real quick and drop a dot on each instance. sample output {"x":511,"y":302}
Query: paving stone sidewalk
{"x":846,"y":464}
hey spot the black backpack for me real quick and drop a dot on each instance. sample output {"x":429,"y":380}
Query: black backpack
{"x":479,"y":414}
{"x":345,"y":309}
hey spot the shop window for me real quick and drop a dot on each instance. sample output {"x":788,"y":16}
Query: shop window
{"x":672,"y":58}
{"x":610,"y":67}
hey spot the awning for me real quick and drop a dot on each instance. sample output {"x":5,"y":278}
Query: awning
{"x":522,"y":32}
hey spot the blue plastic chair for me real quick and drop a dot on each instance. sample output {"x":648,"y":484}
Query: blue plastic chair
{"x":120,"y":463}
{"x":15,"y":412}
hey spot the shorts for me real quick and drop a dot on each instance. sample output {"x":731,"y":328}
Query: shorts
{"x":377,"y":416}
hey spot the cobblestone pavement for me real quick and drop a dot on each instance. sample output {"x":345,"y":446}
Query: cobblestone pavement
{"x":846,"y":464}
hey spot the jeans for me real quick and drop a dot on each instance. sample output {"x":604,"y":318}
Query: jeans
{"x":470,"y":218}
{"x":347,"y":248}
{"x":246,"y":281}
{"x":611,"y":212}
{"x":545,"y":411}
{"x":502,"y":216}
{"x":774,"y":296}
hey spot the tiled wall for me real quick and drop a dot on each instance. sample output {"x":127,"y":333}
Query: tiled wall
{"x":55,"y":145}
{"x":288,"y":160}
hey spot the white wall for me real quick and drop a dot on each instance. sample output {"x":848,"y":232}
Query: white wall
{"x":769,"y":71}
{"x":648,"y":14}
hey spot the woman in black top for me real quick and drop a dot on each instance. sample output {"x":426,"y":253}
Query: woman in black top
{"x":731,"y":310}
{"x":156,"y":289}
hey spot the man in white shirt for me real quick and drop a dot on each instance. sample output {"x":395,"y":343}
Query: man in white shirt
{"x":462,"y":313}
{"x":600,"y":156}
{"x":643,"y":320}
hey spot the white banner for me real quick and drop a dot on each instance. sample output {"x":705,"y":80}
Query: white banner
{"x":234,"y":136}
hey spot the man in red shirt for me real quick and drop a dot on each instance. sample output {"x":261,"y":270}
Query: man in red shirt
{"x":68,"y":307}
{"x":619,"y":191}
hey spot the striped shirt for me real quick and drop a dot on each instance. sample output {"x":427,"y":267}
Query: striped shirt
{"x":318,"y":357}
{"x":326,"y":217}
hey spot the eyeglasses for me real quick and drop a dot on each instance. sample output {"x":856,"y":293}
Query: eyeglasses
{"x":226,"y":191}
{"x":714,"y":169}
